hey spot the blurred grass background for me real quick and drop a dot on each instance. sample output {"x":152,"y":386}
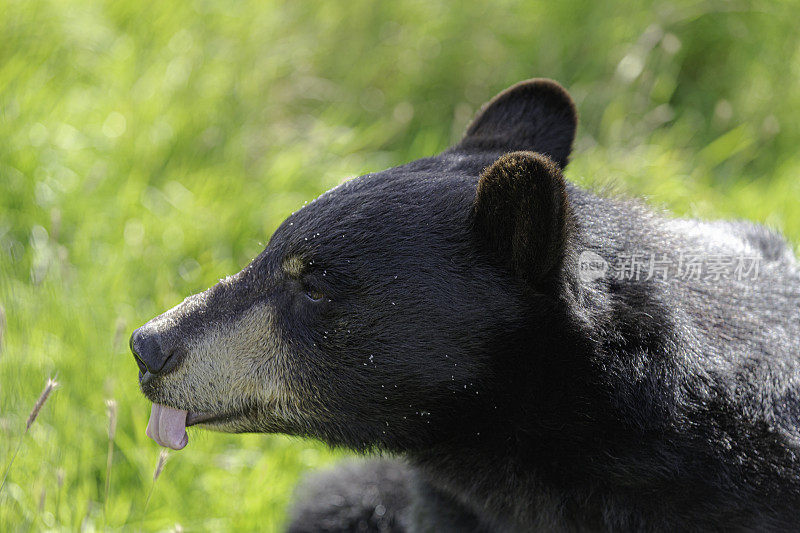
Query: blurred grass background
{"x":149,"y":148}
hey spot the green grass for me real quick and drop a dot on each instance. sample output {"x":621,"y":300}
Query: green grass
{"x":149,"y":148}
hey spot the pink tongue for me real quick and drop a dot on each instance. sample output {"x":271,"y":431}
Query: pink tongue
{"x":167,"y":426}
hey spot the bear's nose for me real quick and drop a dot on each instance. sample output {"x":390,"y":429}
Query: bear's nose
{"x":150,"y":353}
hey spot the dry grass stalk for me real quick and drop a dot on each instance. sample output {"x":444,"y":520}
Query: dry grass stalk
{"x":60,"y":475}
{"x":162,"y":460}
{"x":51,"y":385}
{"x":111,"y":409}
{"x":48,"y":389}
{"x":2,"y":326}
{"x":119,"y":334}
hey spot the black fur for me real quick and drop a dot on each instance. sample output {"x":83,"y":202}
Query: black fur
{"x":612,"y":405}
{"x":365,"y":496}
{"x":458,"y":333}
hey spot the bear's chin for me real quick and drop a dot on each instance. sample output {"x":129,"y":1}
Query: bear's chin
{"x":202,"y":417}
{"x":240,"y":421}
{"x":232,"y":422}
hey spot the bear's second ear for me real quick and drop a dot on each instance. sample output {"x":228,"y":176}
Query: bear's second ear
{"x":536,"y":115}
{"x":522,"y":214}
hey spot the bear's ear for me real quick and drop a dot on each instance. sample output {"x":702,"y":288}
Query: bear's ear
{"x":522,"y":214}
{"x":536,"y":115}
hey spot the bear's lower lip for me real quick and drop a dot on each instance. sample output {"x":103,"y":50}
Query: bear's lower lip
{"x":194,"y":418}
{"x":200,"y":417}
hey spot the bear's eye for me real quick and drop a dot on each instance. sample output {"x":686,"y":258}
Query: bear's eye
{"x":314,"y":295}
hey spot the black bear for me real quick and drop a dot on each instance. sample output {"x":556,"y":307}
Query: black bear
{"x":524,"y":354}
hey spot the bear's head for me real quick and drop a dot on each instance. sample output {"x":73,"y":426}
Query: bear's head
{"x":392,"y":311}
